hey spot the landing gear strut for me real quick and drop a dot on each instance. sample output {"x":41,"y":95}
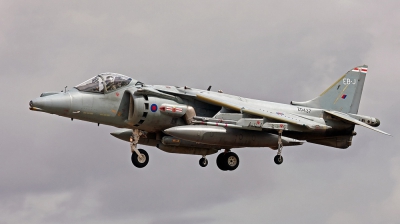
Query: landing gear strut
{"x":278,"y":159}
{"x":227,"y":161}
{"x":139,"y":157}
{"x":203,"y":161}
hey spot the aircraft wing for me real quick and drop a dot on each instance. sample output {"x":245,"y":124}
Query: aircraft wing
{"x":240,"y":104}
{"x":354,"y":121}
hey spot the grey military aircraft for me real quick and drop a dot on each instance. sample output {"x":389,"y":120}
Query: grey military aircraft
{"x":202,"y":122}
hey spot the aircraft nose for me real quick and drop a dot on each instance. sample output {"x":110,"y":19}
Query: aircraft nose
{"x":38,"y":104}
{"x":55,"y":104}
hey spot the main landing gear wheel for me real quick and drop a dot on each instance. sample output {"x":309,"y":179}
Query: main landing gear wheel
{"x":232,"y":160}
{"x":220,"y":162}
{"x":203,"y":162}
{"x":227,"y":161}
{"x":278,"y":159}
{"x":140,"y":161}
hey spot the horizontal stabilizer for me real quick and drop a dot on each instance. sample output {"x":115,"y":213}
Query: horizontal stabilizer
{"x":354,"y":121}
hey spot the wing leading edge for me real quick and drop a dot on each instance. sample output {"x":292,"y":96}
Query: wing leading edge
{"x":245,"y":107}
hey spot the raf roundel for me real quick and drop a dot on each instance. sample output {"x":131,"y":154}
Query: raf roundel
{"x":153,"y":108}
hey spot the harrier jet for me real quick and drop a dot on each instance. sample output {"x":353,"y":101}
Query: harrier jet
{"x":201,"y":122}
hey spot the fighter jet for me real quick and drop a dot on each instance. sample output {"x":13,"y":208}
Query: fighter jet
{"x":202,"y":122}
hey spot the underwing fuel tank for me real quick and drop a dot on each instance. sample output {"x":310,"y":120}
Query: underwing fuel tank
{"x":215,"y":135}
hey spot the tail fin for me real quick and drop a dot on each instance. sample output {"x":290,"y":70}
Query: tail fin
{"x":344,"y":95}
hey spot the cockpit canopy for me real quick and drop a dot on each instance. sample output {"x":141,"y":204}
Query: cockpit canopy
{"x":105,"y":82}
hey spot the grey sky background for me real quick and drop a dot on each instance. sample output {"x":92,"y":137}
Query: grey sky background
{"x":53,"y":170}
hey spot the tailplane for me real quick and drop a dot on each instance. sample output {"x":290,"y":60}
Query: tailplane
{"x":344,"y":95}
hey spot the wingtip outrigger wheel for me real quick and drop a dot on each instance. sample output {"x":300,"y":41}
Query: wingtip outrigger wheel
{"x":278,"y":159}
{"x":203,"y":161}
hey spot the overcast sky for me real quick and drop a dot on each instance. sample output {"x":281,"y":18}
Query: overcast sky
{"x":53,"y":170}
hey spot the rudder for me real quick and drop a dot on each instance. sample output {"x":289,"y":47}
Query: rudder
{"x":344,"y":95}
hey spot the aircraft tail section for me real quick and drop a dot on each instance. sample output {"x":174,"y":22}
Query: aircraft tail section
{"x":344,"y":95}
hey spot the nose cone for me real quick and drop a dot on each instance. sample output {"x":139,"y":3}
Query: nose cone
{"x":55,"y":104}
{"x":39,"y":104}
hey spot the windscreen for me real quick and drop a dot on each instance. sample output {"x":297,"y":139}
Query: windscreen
{"x":94,"y":85}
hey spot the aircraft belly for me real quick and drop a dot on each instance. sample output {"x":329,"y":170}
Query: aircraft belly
{"x":318,"y":135}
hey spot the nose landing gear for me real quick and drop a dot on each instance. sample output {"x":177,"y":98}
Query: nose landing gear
{"x":139,"y":157}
